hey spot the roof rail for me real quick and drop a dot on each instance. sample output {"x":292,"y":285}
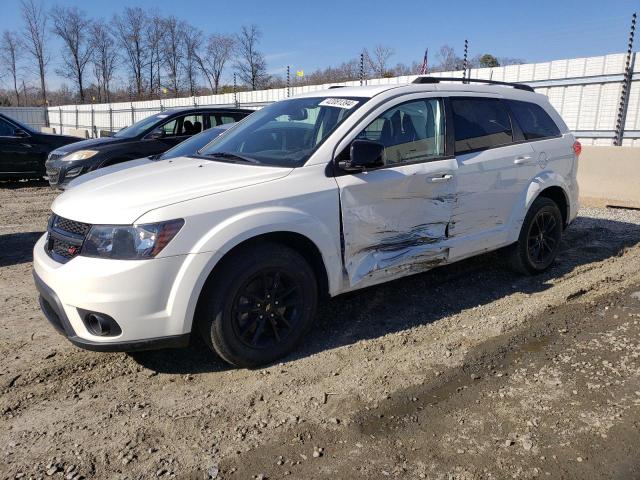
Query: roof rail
{"x":519,"y":86}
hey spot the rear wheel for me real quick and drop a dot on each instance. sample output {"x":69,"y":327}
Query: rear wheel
{"x":539,"y":240}
{"x":258,"y":304}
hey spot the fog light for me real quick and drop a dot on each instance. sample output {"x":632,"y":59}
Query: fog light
{"x":74,"y":172}
{"x":100,"y":324}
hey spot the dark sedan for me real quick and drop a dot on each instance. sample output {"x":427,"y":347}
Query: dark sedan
{"x":23,"y":151}
{"x":150,"y":136}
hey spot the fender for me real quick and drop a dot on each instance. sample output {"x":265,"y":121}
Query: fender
{"x":226,"y":235}
{"x":540,"y":182}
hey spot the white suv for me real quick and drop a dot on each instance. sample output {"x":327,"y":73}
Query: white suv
{"x":319,"y":194}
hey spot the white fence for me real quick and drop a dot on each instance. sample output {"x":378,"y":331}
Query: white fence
{"x":33,"y":117}
{"x":586,"y":92}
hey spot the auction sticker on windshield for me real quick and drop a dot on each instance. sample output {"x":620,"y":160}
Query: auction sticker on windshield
{"x":338,"y":102}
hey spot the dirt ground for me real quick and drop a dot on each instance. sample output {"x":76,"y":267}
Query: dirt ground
{"x":465,"y":372}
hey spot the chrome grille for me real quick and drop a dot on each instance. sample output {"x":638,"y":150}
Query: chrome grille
{"x":53,"y":174}
{"x":55,"y":156}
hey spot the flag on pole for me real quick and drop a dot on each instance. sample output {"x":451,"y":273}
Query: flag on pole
{"x":424,"y":68}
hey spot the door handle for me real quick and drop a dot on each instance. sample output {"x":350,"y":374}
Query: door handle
{"x":443,"y":178}
{"x":522,"y":160}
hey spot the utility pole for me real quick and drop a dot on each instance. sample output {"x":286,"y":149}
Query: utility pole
{"x":362,"y":68}
{"x":626,"y":85}
{"x":464,"y":60}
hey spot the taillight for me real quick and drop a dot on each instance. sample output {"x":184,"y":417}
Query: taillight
{"x":577,"y":148}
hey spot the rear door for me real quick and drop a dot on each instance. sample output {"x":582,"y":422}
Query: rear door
{"x":395,"y":218}
{"x":551,"y":150}
{"x":493,"y":168}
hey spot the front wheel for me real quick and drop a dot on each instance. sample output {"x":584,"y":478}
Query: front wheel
{"x":539,"y":240}
{"x":258,"y":304}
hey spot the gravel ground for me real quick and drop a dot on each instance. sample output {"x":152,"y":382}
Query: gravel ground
{"x":467,"y":371}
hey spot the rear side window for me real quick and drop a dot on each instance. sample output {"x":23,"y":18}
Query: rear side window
{"x":480,"y":123}
{"x":533,"y":120}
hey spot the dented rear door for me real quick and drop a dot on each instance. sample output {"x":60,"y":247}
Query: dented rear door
{"x":395,"y":219}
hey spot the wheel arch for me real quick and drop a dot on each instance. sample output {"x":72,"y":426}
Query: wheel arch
{"x":294,"y":240}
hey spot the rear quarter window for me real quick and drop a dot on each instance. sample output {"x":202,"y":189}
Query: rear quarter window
{"x":533,"y":120}
{"x":480,"y":123}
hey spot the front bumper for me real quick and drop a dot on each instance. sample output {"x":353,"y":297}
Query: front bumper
{"x":55,"y":313}
{"x":152,"y":301}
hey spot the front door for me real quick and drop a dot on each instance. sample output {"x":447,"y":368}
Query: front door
{"x":17,"y":154}
{"x":395,"y":218}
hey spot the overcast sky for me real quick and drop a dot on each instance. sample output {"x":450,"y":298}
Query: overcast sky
{"x":312,"y":34}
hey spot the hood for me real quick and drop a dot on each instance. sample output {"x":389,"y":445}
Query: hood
{"x":125,"y":194}
{"x":91,"y":144}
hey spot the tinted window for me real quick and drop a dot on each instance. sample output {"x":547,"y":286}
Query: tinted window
{"x":410,"y":132}
{"x":480,"y":123}
{"x":6,"y":129}
{"x":533,"y":120}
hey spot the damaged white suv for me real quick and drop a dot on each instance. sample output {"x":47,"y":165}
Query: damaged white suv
{"x":319,"y":194}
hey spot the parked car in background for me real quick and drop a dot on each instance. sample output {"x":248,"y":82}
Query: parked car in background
{"x":23,"y":151}
{"x":184,"y":149}
{"x":151,"y":136}
{"x":324,"y":193}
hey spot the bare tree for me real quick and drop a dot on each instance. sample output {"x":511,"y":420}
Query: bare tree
{"x":35,"y":35}
{"x":448,"y":59}
{"x":379,"y":59}
{"x":192,"y":38}
{"x":217,"y":52}
{"x":173,"y":51}
{"x":129,"y":30}
{"x":9,"y":57}
{"x":105,"y":57}
{"x":72,"y":26}
{"x":251,"y":64}
{"x":154,"y":35}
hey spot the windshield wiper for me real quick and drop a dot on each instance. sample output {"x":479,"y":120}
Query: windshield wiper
{"x":231,"y":156}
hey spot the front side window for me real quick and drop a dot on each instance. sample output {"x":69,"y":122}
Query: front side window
{"x":284,"y":133}
{"x":480,"y":123}
{"x":533,"y":120}
{"x":6,"y":129}
{"x":410,"y":132}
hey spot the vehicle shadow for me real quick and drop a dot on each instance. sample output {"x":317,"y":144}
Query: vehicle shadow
{"x":16,"y":184}
{"x":16,"y":248}
{"x":425,"y":298}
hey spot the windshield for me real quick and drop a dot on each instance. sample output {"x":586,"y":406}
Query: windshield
{"x":140,"y":127}
{"x":283,"y":134}
{"x":193,"y":144}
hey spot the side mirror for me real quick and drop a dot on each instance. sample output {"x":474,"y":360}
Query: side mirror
{"x":364,"y":154}
{"x":18,"y":132}
{"x":156,"y":134}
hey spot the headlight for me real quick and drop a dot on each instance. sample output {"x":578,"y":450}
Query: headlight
{"x":79,"y":155}
{"x":129,"y":242}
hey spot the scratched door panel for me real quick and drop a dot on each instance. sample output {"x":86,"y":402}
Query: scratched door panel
{"x":395,"y":220}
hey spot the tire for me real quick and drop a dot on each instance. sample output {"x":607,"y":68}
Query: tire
{"x":534,"y":253}
{"x":258,"y":305}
